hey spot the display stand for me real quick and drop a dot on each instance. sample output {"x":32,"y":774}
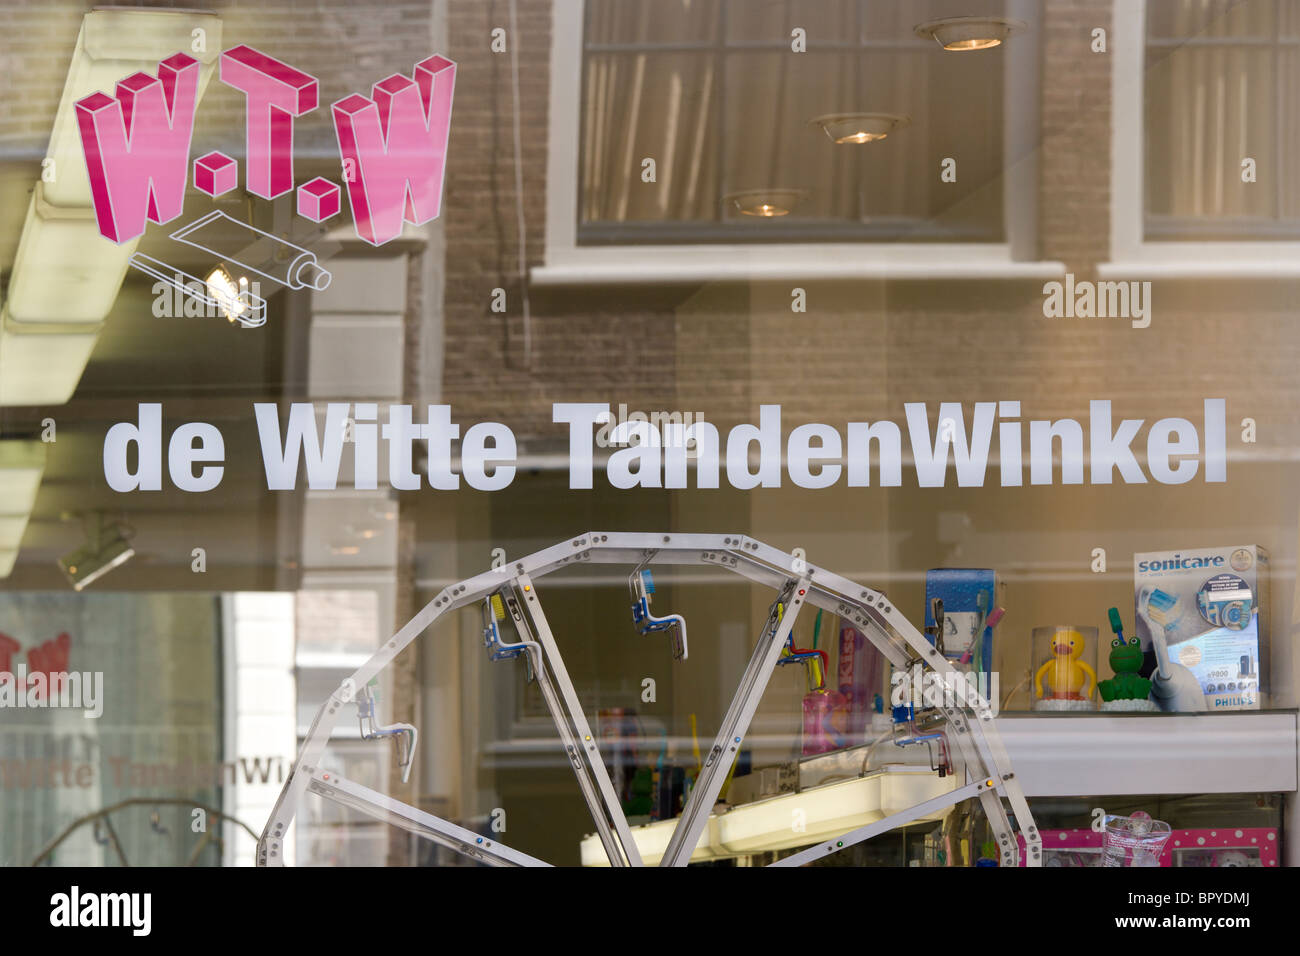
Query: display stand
{"x":510,"y":594}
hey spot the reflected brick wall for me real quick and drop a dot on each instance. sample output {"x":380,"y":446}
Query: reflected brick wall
{"x":347,"y":46}
{"x":609,"y":347}
{"x":863,"y":348}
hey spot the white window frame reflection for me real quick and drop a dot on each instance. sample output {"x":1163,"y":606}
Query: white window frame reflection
{"x":1132,"y":255}
{"x":567,"y":262}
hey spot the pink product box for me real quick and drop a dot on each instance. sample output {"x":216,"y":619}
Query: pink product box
{"x":1227,"y":847}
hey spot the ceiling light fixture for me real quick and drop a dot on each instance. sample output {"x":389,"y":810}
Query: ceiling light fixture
{"x":970,"y":33}
{"x":860,"y":127}
{"x":21,"y":465}
{"x":766,"y":203}
{"x":107,"y":547}
{"x":66,"y":276}
{"x":231,"y":297}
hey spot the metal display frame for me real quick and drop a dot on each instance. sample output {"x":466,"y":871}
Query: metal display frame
{"x":967,"y":721}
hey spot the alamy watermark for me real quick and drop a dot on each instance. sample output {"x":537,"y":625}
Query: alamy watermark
{"x":124,"y":910}
{"x":83,"y":690}
{"x":623,"y":429}
{"x":193,"y":300}
{"x":976,"y":689}
{"x":1086,"y":299}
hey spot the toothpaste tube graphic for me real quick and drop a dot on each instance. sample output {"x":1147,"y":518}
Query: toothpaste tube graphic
{"x":244,"y":249}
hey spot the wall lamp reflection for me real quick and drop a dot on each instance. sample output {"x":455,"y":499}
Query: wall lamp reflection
{"x":860,"y":127}
{"x":107,"y":546}
{"x":765,"y":203}
{"x":970,"y":33}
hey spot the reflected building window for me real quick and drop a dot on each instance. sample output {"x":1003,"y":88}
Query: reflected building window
{"x":1222,"y":82}
{"x":714,"y":92}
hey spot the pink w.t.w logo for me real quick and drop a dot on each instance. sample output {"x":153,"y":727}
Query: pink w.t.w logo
{"x":396,"y":148}
{"x":393,"y":147}
{"x":137,"y":146}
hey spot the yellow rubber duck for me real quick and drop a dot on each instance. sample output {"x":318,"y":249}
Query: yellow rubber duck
{"x":1066,"y":674}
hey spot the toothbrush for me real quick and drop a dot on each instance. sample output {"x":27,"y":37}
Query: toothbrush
{"x":990,"y":622}
{"x":1173,"y":687}
{"x":1161,"y":608}
{"x":1116,"y":623}
{"x":982,"y":601}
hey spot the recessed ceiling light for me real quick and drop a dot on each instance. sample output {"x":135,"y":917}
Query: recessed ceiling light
{"x":860,"y":127}
{"x":766,"y":203}
{"x":970,"y":33}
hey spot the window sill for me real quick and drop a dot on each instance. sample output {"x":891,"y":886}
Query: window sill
{"x":1206,"y":260}
{"x":779,"y":263}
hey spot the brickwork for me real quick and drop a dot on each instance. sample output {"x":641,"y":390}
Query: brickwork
{"x":1075,"y":156}
{"x":863,"y":348}
{"x":723,"y":349}
{"x":610,"y":351}
{"x":347,"y":46}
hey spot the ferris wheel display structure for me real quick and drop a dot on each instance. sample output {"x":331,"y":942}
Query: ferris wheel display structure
{"x":515,"y":626}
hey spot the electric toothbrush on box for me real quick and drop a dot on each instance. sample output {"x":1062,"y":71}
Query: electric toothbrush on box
{"x":1173,"y":687}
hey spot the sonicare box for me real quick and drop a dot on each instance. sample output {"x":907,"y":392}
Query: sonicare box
{"x":1212,"y":606}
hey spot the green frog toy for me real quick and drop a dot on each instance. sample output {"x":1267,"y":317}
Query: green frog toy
{"x":1125,"y":661}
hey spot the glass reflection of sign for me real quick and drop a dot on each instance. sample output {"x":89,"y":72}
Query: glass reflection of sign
{"x":48,"y":659}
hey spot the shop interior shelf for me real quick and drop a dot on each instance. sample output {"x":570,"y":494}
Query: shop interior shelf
{"x":1055,"y":755}
{"x":1060,"y":755}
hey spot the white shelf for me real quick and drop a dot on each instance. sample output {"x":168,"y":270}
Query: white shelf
{"x":1064,"y":756}
{"x":825,"y":812}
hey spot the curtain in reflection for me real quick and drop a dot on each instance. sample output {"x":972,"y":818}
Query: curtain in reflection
{"x":1222,"y":83}
{"x":710,"y":90}
{"x":657,"y":105}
